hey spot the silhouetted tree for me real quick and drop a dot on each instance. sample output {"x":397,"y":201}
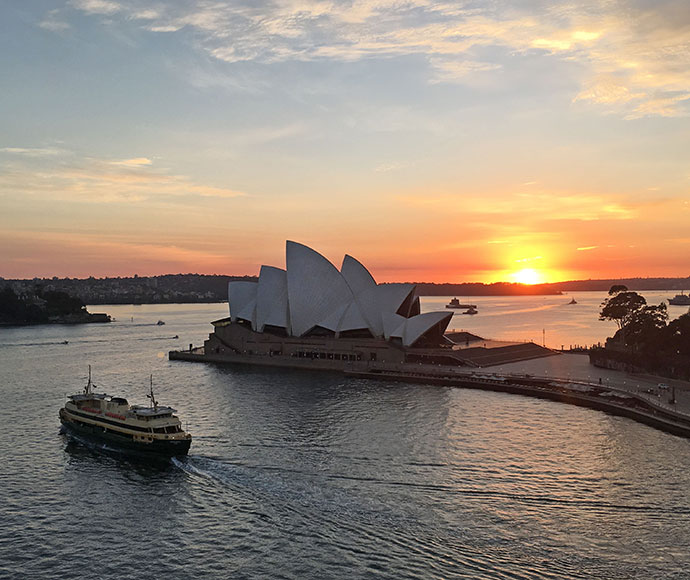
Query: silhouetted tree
{"x":616,"y":288}
{"x":622,"y":307}
{"x":61,"y":303}
{"x":644,"y":326}
{"x":14,"y":310}
{"x":675,"y":337}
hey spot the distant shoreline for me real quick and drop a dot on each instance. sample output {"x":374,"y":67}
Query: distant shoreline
{"x":208,"y":289}
{"x":95,"y":318}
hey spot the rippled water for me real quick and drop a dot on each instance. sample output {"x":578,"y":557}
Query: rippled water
{"x":548,"y":320}
{"x":295,"y":475}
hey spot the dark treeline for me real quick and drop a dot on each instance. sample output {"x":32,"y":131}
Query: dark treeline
{"x":169,"y":288}
{"x":513,"y":289}
{"x":634,"y":284}
{"x":43,"y":306}
{"x":189,"y":288}
{"x":480,"y":289}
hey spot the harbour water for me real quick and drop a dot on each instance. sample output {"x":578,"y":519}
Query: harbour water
{"x":297,"y":475}
{"x":548,"y":320}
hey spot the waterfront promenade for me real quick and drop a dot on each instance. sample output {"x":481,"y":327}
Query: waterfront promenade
{"x":576,"y":368}
{"x":567,"y":378}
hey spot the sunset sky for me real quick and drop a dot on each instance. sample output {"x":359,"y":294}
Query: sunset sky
{"x":434,"y":141}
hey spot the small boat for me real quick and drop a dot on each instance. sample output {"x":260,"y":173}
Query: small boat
{"x":680,"y":300}
{"x":455,"y":303}
{"x":151,"y":430}
{"x":471,"y":310}
{"x":160,"y":323}
{"x":573,"y":301}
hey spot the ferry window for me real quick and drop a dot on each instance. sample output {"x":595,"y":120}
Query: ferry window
{"x":359,"y":357}
{"x":372,"y":356}
{"x":337,"y":356}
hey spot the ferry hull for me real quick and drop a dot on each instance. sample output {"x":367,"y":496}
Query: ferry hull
{"x":124,"y":442}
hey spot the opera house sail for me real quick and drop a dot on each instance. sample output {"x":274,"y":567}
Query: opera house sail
{"x":314,"y":315}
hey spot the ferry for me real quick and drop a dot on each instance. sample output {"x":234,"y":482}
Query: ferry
{"x":455,"y":303}
{"x":112,"y":421}
{"x":680,"y":300}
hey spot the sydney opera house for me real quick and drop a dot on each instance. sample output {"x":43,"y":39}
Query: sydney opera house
{"x":314,"y":315}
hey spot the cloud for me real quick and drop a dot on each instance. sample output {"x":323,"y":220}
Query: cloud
{"x":388,"y":167}
{"x":529,"y":208}
{"x":97,"y":6}
{"x":634,"y":57}
{"x":31,"y":152}
{"x":587,"y":248}
{"x":663,"y":106}
{"x":103,"y":180}
{"x":606,"y":89}
{"x":53,"y":22}
{"x":136,"y":162}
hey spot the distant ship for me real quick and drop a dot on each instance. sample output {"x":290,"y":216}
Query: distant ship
{"x":148,"y":430}
{"x":455,"y":303}
{"x":680,"y":300}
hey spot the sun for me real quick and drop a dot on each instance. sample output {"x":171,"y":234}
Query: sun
{"x":527,"y":276}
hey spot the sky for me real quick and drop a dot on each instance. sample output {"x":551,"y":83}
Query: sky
{"x":446,"y":141}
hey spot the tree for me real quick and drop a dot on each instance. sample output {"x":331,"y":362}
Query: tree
{"x":622,"y":307}
{"x":616,"y":288}
{"x":676,"y":336}
{"x":643,"y":328}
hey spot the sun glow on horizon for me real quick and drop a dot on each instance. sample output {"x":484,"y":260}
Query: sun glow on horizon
{"x":528,"y":276}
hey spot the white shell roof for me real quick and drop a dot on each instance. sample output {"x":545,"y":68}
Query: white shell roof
{"x":240,"y":295}
{"x":413,"y":328}
{"x":312,"y":292}
{"x":356,"y":275}
{"x":315,"y":287}
{"x":272,"y":298}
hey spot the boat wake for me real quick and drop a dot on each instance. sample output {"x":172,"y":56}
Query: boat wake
{"x":89,"y":341}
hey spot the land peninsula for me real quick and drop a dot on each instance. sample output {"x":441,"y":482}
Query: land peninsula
{"x":39,"y":306}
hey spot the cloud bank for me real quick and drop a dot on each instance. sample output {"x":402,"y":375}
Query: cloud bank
{"x":634,"y":56}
